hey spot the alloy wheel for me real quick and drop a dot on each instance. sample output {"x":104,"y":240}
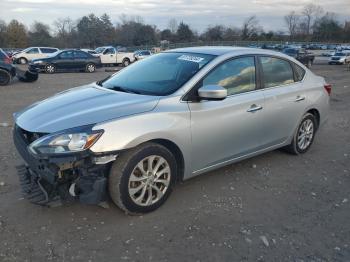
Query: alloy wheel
{"x":90,"y":68}
{"x":50,"y":69}
{"x":305,"y":134}
{"x":149,"y":180}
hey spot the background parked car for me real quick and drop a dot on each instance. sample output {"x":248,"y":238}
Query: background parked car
{"x":31,"y":53}
{"x":113,"y":55}
{"x":340,"y":58}
{"x":7,"y":70}
{"x":141,"y":54}
{"x":301,"y":55}
{"x":67,"y":60}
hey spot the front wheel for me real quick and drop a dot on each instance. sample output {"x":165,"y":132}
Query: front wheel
{"x":90,"y":68}
{"x":50,"y":69}
{"x":304,"y":135}
{"x":5,"y":77}
{"x":141,"y":179}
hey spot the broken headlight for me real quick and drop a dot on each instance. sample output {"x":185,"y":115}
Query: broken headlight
{"x":65,"y":142}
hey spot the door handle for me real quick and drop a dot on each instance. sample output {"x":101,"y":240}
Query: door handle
{"x":253,"y":108}
{"x":299,"y":98}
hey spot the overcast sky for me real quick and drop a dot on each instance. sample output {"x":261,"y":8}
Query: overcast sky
{"x":198,"y":13}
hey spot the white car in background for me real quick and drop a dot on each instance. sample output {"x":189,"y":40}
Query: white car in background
{"x":114,"y":55}
{"x":142,"y":54}
{"x":91,"y":52}
{"x":31,"y":53}
{"x":340,"y":58}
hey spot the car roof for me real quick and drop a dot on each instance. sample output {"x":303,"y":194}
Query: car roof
{"x":223,"y":50}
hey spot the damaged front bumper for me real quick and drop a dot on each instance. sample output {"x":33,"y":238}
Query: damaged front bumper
{"x":54,"y":179}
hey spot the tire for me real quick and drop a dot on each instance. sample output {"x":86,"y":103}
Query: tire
{"x":50,"y":69}
{"x":309,"y":64}
{"x":22,"y":61}
{"x":126,"y":62}
{"x":90,"y":68}
{"x":127,"y":184}
{"x":5,"y":77}
{"x":297,"y":147}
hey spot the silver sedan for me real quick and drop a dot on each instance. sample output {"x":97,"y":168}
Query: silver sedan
{"x":167,"y":118}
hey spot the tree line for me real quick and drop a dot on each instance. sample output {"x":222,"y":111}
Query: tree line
{"x":90,"y":31}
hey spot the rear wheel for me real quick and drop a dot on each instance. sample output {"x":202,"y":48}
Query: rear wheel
{"x":90,"y":68}
{"x":23,"y":60}
{"x":309,"y":64}
{"x":304,"y":135}
{"x":5,"y":77}
{"x":126,"y":62}
{"x":50,"y":69}
{"x":141,"y":180}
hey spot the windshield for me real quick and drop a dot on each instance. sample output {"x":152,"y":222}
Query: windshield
{"x":158,"y":75}
{"x":339,"y":54}
{"x":99,"y":50}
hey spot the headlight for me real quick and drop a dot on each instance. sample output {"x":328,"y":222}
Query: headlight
{"x":65,"y":142}
{"x":37,"y":62}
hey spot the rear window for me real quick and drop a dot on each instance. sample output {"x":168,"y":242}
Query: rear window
{"x":80,"y":54}
{"x":299,"y":72}
{"x":276,"y":71}
{"x":48,"y":50}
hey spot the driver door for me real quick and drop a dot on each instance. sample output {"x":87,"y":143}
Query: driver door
{"x":109,"y":56}
{"x":231,"y":128}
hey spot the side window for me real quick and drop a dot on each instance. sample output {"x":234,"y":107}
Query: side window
{"x":67,"y":55}
{"x":276,"y":71}
{"x":237,"y":75}
{"x":33,"y":51}
{"x":109,"y":51}
{"x":47,"y":50}
{"x":80,"y":54}
{"x":299,"y":72}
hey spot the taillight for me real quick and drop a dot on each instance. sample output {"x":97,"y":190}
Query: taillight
{"x":328,"y":88}
{"x":8,"y":60}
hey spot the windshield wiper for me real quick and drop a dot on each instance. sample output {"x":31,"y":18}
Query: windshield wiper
{"x":122,"y":89}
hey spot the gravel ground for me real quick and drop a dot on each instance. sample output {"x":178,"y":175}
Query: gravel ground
{"x":274,"y":207}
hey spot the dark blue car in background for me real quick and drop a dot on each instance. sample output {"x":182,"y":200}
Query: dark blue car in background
{"x":67,"y":60}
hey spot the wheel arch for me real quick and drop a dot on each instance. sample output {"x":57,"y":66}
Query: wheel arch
{"x":176,"y":151}
{"x":315,"y":113}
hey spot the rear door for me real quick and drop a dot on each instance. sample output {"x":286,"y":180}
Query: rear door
{"x":285,"y":98}
{"x":230,"y":128}
{"x":65,"y":60}
{"x":80,"y":58}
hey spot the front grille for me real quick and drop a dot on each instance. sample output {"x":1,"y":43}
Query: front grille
{"x":27,"y":136}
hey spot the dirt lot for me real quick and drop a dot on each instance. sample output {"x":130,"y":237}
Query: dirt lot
{"x":274,"y":207}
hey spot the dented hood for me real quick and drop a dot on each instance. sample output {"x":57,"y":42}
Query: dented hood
{"x":80,"y":106}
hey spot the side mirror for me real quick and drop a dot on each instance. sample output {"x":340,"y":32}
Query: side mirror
{"x":212,"y":92}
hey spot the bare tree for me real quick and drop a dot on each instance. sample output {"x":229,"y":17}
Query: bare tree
{"x":292,"y":20}
{"x":173,"y":25}
{"x":64,"y":28}
{"x":250,"y":28}
{"x":311,"y":13}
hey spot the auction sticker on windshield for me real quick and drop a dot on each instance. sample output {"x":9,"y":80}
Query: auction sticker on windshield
{"x":190,"y":58}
